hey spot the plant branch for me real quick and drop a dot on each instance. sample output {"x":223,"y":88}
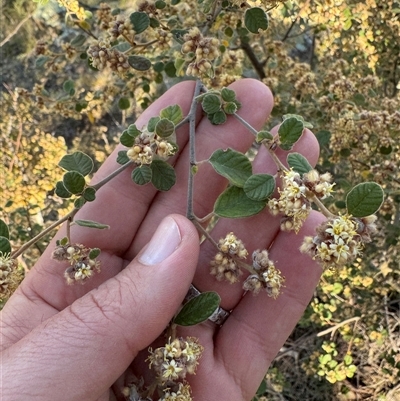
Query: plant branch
{"x":258,"y":66}
{"x":15,"y":31}
{"x":246,"y":124}
{"x":336,"y":326}
{"x":27,"y":245}
{"x":289,"y":30}
{"x":192,"y":150}
{"x":112,"y":175}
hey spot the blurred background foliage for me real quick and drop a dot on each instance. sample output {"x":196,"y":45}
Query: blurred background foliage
{"x":336,"y":63}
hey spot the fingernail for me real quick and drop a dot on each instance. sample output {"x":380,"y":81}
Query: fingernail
{"x":163,"y":243}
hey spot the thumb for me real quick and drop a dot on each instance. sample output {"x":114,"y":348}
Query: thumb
{"x":82,"y":350}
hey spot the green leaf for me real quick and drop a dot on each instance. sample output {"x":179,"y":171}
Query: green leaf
{"x":78,"y":40}
{"x":323,"y":137}
{"x":74,"y":182}
{"x":94,"y":252}
{"x":140,"y":21}
{"x":61,"y":191}
{"x":259,"y":186}
{"x":77,"y":161}
{"x":198,"y":309}
{"x":228,"y":95}
{"x":41,"y":61}
{"x":234,"y":203}
{"x":142,"y":175}
{"x":217,"y":118}
{"x":139,"y":63}
{"x":211,"y":103}
{"x":173,"y":113}
{"x":89,"y":194}
{"x":122,"y":157}
{"x":124,"y":103}
{"x":170,"y":69}
{"x":230,"y":108}
{"x":178,"y":65}
{"x":234,"y":166}
{"x":290,"y":132}
{"x":5,"y":246}
{"x":126,"y":139}
{"x":133,"y":131}
{"x":299,"y":163}
{"x":165,"y":128}
{"x":364,"y":199}
{"x":91,"y":224}
{"x":4,"y":232}
{"x":79,"y":202}
{"x":151,"y":125}
{"x":158,"y":67}
{"x":300,"y":118}
{"x":264,"y":135}
{"x":63,"y":241}
{"x":255,"y":19}
{"x":68,"y":86}
{"x":163,"y":175}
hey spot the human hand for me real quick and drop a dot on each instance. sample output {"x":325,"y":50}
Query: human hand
{"x":73,"y":342}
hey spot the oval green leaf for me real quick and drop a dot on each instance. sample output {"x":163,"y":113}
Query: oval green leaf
{"x":139,"y":63}
{"x":228,"y":95}
{"x":234,"y":166}
{"x":264,"y":135}
{"x":259,"y":186}
{"x":140,"y":21}
{"x":122,"y":157}
{"x":211,"y":103}
{"x":77,"y":161}
{"x":142,"y":175}
{"x":133,"y":131}
{"x":364,"y":199}
{"x":290,"y":132}
{"x":89,"y":194}
{"x":126,"y":139}
{"x":61,"y":190}
{"x":198,"y":309}
{"x":298,"y":163}
{"x":230,"y":108}
{"x":217,"y":118}
{"x":300,"y":118}
{"x":165,"y":128}
{"x":5,"y":246}
{"x":74,"y":182}
{"x":234,"y":203}
{"x":255,"y":19}
{"x":79,"y":202}
{"x":163,"y":175}
{"x":124,"y":103}
{"x":91,"y":224}
{"x":173,"y":113}
{"x":94,"y":253}
{"x":4,"y":232}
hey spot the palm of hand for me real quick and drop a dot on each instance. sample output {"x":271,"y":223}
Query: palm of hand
{"x":98,"y":331}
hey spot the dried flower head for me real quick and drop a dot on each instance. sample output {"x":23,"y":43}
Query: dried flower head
{"x":268,"y":277}
{"x":10,"y":276}
{"x":82,"y":260}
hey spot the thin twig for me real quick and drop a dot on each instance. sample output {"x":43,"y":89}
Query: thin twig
{"x":15,"y":31}
{"x":289,"y":30}
{"x":192,"y":150}
{"x":28,"y":244}
{"x":336,"y":326}
{"x":112,"y":175}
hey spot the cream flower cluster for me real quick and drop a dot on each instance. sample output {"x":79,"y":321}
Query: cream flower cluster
{"x":296,"y":196}
{"x":339,"y":240}
{"x":292,"y":202}
{"x":205,"y":50}
{"x":268,"y":277}
{"x":148,"y":145}
{"x":83,"y":265}
{"x":224,"y":265}
{"x":173,"y":362}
